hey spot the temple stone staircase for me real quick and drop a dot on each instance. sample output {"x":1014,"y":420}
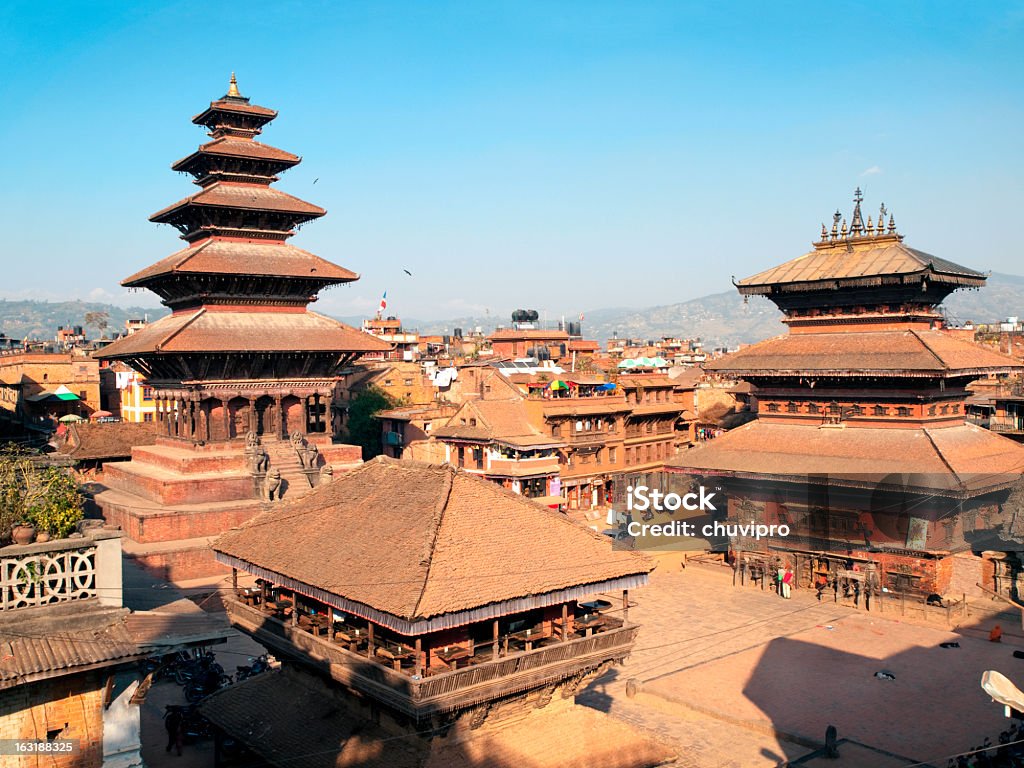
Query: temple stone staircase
{"x":285,"y":459}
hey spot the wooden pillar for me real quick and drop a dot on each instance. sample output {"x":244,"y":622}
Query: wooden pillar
{"x":234,"y":579}
{"x":494,"y":645}
{"x":625,"y":605}
{"x":369,"y":639}
{"x":419,"y":656}
{"x":565,"y":622}
{"x":227,"y":417}
{"x":280,"y":417}
{"x":295,"y":608}
{"x":252,"y":414}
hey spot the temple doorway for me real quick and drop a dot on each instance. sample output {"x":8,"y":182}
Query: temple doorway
{"x":265,"y":416}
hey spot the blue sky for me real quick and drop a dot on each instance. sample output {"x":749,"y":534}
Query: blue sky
{"x":561,"y":156}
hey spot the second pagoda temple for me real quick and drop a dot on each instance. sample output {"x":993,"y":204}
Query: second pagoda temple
{"x":861,"y":447}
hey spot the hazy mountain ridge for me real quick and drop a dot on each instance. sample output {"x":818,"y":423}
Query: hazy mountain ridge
{"x":720,"y":319}
{"x":38,"y":320}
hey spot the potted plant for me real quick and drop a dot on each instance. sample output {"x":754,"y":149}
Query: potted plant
{"x":23,"y":532}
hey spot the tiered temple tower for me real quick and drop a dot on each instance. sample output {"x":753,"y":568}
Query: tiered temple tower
{"x":861,"y":444}
{"x":243,"y":373}
{"x":241,"y":352}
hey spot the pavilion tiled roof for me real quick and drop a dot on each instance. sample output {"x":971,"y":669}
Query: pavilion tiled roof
{"x":863,"y":262}
{"x":962,"y":459}
{"x":291,"y":718}
{"x":903,"y":352}
{"x":63,"y":638}
{"x":58,"y":639}
{"x":424,"y":541}
{"x":249,"y":196}
{"x":205,"y":330}
{"x":106,"y":440}
{"x":213,"y":256}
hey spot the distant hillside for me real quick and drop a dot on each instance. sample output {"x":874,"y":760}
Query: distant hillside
{"x":39,"y":319}
{"x":721,"y":319}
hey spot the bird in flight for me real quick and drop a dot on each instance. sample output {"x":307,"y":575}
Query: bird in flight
{"x":407,"y":272}
{"x":316,"y":179}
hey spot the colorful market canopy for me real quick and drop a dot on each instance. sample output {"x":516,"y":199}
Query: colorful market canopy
{"x":558,"y":384}
{"x":63,"y":393}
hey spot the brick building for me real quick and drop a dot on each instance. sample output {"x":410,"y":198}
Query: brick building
{"x":38,"y":387}
{"x":494,"y":439}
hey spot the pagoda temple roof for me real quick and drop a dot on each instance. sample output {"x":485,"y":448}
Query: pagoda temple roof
{"x":224,"y":331}
{"x":233,"y":104}
{"x":419,"y":547}
{"x":919,"y":353}
{"x":957,"y":460}
{"x":212,"y":256}
{"x":235,"y":147}
{"x":857,"y":262}
{"x":249,"y":196}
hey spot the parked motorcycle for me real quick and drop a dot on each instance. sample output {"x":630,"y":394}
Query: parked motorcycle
{"x":259,"y":664}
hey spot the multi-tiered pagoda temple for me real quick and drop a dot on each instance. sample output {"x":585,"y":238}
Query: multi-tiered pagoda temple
{"x":861,"y":445}
{"x":241,"y":352}
{"x":244,"y":374}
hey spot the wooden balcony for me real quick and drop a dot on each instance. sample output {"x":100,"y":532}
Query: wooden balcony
{"x":446,"y":691}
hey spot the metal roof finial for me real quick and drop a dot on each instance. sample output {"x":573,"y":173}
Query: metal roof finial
{"x":892,"y":225}
{"x":871,"y":227}
{"x":857,"y":221}
{"x":835,"y":224}
{"x":843,"y":231}
{"x":824,"y":233}
{"x":233,"y":87}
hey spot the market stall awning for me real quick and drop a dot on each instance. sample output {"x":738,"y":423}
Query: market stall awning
{"x":61,"y":394}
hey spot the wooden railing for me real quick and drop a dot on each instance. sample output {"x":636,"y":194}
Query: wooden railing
{"x":448,"y":690}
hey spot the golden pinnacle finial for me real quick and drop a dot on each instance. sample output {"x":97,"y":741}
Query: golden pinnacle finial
{"x":233,"y":87}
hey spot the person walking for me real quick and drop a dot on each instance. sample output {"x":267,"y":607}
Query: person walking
{"x":174,"y":722}
{"x":787,"y":583}
{"x":779,"y":576}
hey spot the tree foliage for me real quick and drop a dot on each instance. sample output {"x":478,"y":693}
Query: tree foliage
{"x":46,"y":497}
{"x":98,"y":320}
{"x":363,"y":428}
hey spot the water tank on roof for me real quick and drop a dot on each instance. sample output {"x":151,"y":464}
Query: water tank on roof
{"x":525,"y":316}
{"x":458,"y":333}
